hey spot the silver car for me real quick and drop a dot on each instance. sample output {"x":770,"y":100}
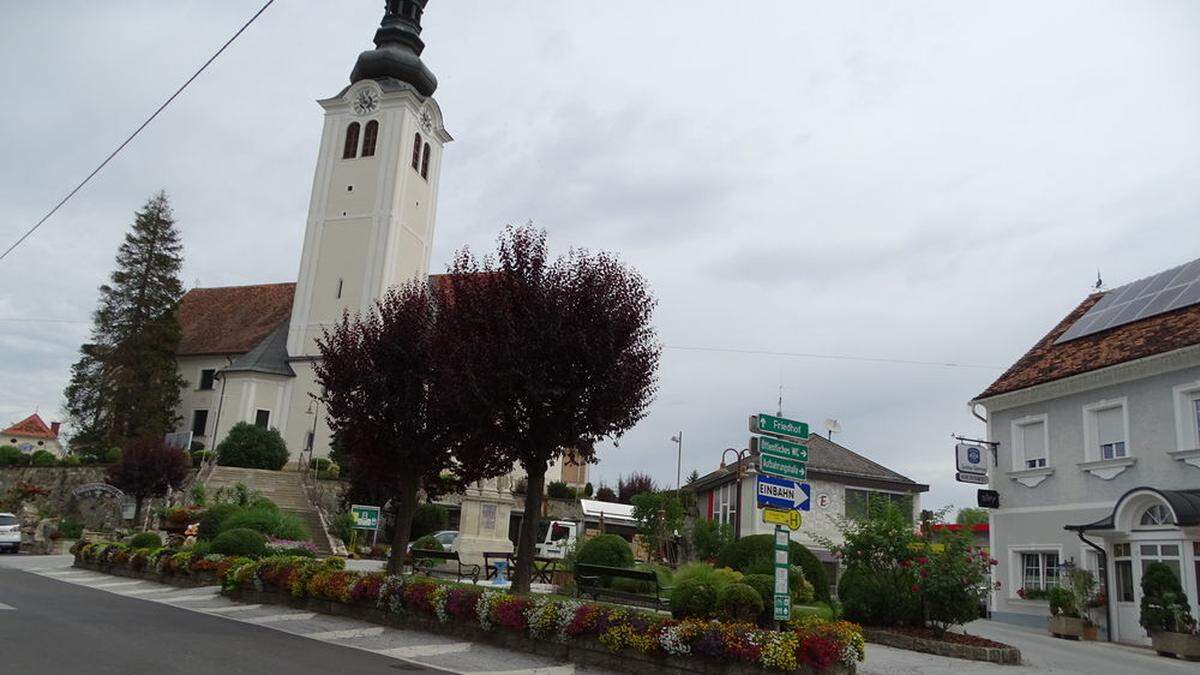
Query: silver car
{"x":10,"y":533}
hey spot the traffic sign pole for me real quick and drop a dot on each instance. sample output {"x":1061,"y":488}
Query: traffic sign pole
{"x":783,"y":596}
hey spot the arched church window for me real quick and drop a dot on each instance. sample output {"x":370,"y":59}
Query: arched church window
{"x":370,"y":135}
{"x":416,"y":162}
{"x":351,"y":149}
{"x":1156,"y":515}
{"x":425,"y":163}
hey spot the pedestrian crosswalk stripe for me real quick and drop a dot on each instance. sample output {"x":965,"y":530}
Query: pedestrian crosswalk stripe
{"x":234,"y":608}
{"x":347,"y":634}
{"x":118,"y":584}
{"x":147,"y":591}
{"x":189,"y":598}
{"x":425,"y":650}
{"x":7,"y":607}
{"x":549,"y":670}
{"x":275,"y":618}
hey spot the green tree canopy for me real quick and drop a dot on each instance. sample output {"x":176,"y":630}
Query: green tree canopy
{"x":971,"y":516}
{"x":125,"y":385}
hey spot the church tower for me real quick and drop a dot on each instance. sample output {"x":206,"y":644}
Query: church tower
{"x":374,"y":197}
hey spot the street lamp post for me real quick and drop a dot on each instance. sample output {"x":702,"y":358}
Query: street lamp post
{"x":739,"y":468}
{"x":678,"y":439}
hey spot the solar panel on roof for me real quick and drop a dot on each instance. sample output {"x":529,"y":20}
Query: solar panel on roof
{"x":1164,"y":292}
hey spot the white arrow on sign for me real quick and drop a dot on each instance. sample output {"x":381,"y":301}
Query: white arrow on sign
{"x":793,"y":493}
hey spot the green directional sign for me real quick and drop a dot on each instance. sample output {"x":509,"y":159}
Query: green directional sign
{"x":787,"y":468}
{"x":778,"y":426}
{"x":365,"y":517}
{"x":779,"y":448}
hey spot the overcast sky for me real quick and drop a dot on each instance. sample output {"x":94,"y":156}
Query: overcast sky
{"x":933,"y":182}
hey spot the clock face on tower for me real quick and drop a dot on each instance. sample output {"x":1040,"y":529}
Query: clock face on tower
{"x":366,"y":101}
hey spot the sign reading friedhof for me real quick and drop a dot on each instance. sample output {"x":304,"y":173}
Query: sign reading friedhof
{"x":783,"y":598}
{"x":778,"y":426}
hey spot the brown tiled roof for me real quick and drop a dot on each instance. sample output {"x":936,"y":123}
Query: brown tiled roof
{"x":830,"y":461}
{"x":232,"y":319}
{"x":1047,"y":361}
{"x":31,"y":427}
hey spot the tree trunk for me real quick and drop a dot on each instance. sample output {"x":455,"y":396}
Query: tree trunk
{"x":523,"y":574}
{"x":406,"y":506}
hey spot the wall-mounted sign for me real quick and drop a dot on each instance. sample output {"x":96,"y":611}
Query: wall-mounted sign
{"x":988,"y":499}
{"x":823,"y":501}
{"x":972,"y":458}
{"x":976,"y":478}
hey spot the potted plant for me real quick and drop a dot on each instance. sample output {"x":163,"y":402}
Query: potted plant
{"x":1065,"y":621}
{"x":1166,"y":616}
{"x":1083,"y":596}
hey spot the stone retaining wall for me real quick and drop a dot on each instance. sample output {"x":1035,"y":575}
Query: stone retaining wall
{"x":1005,"y":656}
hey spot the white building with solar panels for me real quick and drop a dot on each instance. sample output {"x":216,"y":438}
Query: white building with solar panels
{"x":1098,"y":462}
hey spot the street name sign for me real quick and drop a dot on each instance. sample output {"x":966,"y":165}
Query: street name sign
{"x":789,"y":518}
{"x":779,"y":448}
{"x":781,"y":493}
{"x":976,"y":478}
{"x":788,"y":468}
{"x":365,"y":517}
{"x":778,"y":426}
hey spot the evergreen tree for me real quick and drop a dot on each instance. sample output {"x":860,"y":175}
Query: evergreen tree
{"x":125,"y":384}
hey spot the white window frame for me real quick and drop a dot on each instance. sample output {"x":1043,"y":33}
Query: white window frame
{"x":1091,"y":434}
{"x":1187,"y":426}
{"x":200,"y":378}
{"x":725,"y":504}
{"x":1016,"y":567}
{"x":1018,"y":440}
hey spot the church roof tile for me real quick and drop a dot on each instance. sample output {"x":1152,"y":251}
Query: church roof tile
{"x":231,"y":319}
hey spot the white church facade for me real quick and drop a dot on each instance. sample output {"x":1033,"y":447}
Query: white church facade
{"x":247,"y":352}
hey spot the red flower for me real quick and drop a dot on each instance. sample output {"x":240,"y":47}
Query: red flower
{"x":916,"y":588}
{"x":819,"y":652}
{"x":923,"y":560}
{"x":924,"y":573}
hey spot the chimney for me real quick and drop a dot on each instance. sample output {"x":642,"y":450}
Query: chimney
{"x":54,"y":428}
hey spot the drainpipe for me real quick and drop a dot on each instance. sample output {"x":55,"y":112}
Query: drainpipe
{"x":1108,"y":589}
{"x":971,"y":407}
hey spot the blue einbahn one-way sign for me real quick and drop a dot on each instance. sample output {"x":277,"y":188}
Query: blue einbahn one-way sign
{"x":782,"y":493}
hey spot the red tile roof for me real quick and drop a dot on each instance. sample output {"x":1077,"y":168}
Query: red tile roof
{"x":232,"y":319}
{"x":31,"y":427}
{"x":1047,"y":361}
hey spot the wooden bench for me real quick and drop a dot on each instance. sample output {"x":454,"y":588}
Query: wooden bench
{"x":423,"y":561}
{"x":592,"y":579}
{"x":490,"y":558}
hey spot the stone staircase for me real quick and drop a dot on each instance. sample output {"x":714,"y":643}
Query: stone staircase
{"x":282,"y":487}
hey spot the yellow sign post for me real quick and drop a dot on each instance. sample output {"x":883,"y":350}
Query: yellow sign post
{"x":788,"y":518}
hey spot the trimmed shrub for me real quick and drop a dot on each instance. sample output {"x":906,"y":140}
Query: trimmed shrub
{"x":748,"y":553}
{"x":1164,"y":604}
{"x":240,"y":541}
{"x":642,"y":587}
{"x":201,"y":548}
{"x":145,"y":540}
{"x":427,"y":519}
{"x":878,"y":598}
{"x":70,"y":460}
{"x":319,"y":463}
{"x":693,"y":599}
{"x":428,"y":543}
{"x":10,"y":455}
{"x":252,"y":447}
{"x":609,"y":550}
{"x":739,"y":602}
{"x":343,"y":527}
{"x":201,"y":456}
{"x":269,"y":521}
{"x":214,"y":516}
{"x":43,"y":458}
{"x":764,"y":584}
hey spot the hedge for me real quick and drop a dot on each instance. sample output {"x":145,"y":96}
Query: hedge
{"x":746,"y":553}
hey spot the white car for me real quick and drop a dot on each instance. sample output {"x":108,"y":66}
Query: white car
{"x":10,"y":533}
{"x":447,"y":538}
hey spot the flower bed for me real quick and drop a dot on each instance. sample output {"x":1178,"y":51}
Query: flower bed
{"x":627,"y":640}
{"x":955,"y":645}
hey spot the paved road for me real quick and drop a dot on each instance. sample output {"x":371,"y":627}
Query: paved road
{"x":69,"y":620}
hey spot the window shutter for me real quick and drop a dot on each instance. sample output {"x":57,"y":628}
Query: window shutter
{"x":1110,"y":426}
{"x":1033,"y":439}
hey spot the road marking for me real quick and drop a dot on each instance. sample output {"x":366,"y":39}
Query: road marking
{"x":4,"y":607}
{"x":347,"y":634}
{"x":275,"y":618}
{"x":118,"y":584}
{"x":235,"y":608}
{"x":83,"y":581}
{"x":147,"y":591}
{"x":189,"y":598}
{"x":569,"y":669}
{"x":425,"y":650}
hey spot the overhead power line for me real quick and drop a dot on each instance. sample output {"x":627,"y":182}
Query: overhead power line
{"x":137,"y":131}
{"x":834,"y":357}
